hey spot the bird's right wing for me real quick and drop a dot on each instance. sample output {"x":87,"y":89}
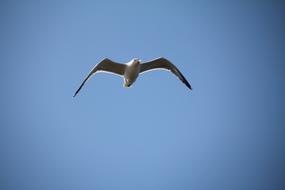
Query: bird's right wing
{"x":106,"y":65}
{"x":162,"y":63}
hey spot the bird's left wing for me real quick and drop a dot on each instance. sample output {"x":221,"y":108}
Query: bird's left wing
{"x":106,"y":65}
{"x":162,"y":63}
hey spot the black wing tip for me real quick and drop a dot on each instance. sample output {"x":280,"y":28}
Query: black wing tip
{"x":189,"y":86}
{"x":186,"y":82}
{"x":77,"y":91}
{"x":74,"y":94}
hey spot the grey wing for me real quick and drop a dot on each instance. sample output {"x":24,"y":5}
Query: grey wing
{"x":106,"y":65}
{"x":162,"y":63}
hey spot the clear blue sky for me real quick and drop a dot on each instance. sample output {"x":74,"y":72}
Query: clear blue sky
{"x":228,"y":133}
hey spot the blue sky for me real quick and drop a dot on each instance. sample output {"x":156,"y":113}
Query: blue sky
{"x":228,"y":133}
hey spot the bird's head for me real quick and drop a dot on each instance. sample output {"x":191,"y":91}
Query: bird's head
{"x":136,"y":61}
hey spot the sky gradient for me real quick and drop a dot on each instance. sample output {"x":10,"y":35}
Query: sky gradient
{"x":228,"y":133}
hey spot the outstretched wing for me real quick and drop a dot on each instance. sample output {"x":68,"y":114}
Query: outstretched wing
{"x":162,"y":63}
{"x":106,"y":65}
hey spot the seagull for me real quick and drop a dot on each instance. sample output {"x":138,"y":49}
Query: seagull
{"x":131,"y":70}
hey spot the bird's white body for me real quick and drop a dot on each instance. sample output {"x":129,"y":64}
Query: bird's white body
{"x":131,"y":70}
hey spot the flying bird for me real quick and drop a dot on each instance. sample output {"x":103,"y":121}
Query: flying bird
{"x":131,"y":70}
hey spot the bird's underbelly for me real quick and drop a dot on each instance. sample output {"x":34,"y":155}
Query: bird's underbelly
{"x":130,"y":76}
